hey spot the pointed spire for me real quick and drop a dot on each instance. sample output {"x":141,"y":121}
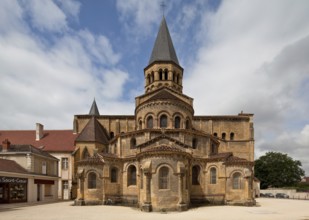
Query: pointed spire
{"x":163,"y":49}
{"x":94,"y":109}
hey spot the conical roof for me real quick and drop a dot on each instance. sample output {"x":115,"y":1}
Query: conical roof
{"x":163,"y":49}
{"x":94,"y":109}
{"x":93,"y":132}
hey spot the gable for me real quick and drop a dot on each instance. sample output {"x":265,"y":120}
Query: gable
{"x":163,"y":140}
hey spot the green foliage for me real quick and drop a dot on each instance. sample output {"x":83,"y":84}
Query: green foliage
{"x":275,"y":169}
{"x":302,"y":187}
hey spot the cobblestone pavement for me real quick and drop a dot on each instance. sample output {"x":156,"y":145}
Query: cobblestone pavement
{"x":272,"y":209}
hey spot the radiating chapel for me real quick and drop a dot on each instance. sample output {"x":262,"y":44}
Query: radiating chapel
{"x":163,"y":157}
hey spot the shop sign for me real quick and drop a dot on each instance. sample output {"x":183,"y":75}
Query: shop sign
{"x":16,"y":180}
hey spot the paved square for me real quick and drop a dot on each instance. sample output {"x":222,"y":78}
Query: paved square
{"x":272,"y":209}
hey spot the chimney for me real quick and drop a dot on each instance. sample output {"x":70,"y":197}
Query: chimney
{"x":5,"y":145}
{"x":39,"y":131}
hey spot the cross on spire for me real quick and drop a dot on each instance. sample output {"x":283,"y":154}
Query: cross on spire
{"x":163,"y":5}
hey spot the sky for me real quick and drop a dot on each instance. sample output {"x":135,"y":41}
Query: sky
{"x":56,"y":56}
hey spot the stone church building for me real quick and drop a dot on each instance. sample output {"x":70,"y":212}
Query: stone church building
{"x":163,"y":157}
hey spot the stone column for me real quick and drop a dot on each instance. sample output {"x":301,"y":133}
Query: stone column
{"x":180,"y":188}
{"x":147,"y":207}
{"x":182,"y":206}
{"x":148,"y":188}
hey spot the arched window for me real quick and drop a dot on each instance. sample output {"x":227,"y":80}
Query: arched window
{"x":150,"y":122}
{"x":163,"y":121}
{"x":177,"y":122}
{"x":85,"y":153}
{"x":131,"y":175}
{"x":187,"y":124}
{"x":236,"y":180}
{"x":140,"y":123}
{"x":152,"y":77}
{"x":163,"y":178}
{"x":160,"y":74}
{"x":132,"y":142}
{"x":148,"y":80}
{"x":92,"y":180}
{"x":213,"y":175}
{"x":194,"y":143}
{"x":114,"y":175}
{"x":195,"y":175}
{"x":111,"y":134}
{"x":165,"y":74}
{"x":173,"y":76}
{"x":223,"y":136}
{"x":232,"y":136}
{"x":215,"y":134}
{"x":213,"y":149}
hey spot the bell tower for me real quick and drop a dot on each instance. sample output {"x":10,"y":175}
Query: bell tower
{"x":163,"y":68}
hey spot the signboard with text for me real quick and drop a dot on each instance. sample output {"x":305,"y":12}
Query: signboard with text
{"x":16,"y":180}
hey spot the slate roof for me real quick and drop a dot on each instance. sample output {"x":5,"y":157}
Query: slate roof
{"x":163,"y":94}
{"x":52,"y":140}
{"x":11,"y":166}
{"x":96,"y":159}
{"x":26,"y":148}
{"x":94,"y":109}
{"x":93,"y":132}
{"x":163,"y":49}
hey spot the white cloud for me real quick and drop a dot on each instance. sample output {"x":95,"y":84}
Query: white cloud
{"x":10,"y":16}
{"x":50,"y":82}
{"x":113,"y":83}
{"x":304,"y":137}
{"x":139,"y":16}
{"x":99,"y":47}
{"x":70,"y":7}
{"x":45,"y":15}
{"x":255,"y":59}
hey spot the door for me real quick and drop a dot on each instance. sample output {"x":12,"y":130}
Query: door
{"x":38,"y":192}
{"x":65,"y":190}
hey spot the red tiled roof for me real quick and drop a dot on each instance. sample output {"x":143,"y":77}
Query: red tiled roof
{"x":52,"y":140}
{"x":237,"y":160}
{"x":163,"y":148}
{"x":11,"y":166}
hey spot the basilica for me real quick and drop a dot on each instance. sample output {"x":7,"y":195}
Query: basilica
{"x":163,"y":157}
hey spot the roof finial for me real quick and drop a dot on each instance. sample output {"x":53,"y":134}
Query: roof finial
{"x":163,"y":5}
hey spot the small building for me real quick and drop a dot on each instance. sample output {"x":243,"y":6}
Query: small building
{"x":58,"y":143}
{"x":27,"y":174}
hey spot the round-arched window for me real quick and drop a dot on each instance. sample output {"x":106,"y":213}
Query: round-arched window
{"x":163,"y":121}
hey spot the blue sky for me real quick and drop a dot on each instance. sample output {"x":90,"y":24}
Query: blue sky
{"x":251,"y":56}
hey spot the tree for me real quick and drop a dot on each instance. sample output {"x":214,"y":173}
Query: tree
{"x":275,"y":169}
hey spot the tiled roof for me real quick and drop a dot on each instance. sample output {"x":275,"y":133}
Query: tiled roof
{"x":163,"y":94}
{"x":108,"y":155}
{"x":96,"y":159}
{"x":52,"y":140}
{"x":94,"y":109}
{"x":93,"y":131}
{"x":162,"y":136}
{"x":220,"y":155}
{"x":26,"y":148}
{"x":11,"y":166}
{"x":163,"y":49}
{"x":237,"y":160}
{"x":163,"y":148}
